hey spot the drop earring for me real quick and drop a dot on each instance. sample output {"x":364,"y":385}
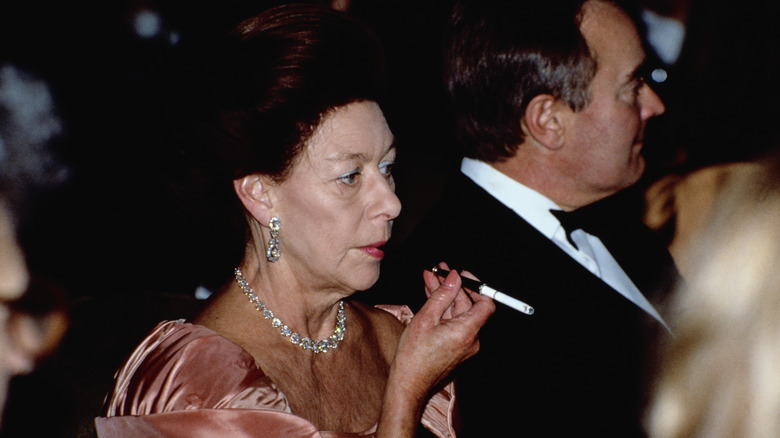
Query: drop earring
{"x":274,"y":252}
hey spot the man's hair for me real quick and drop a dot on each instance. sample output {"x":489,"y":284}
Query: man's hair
{"x":500,"y":55}
{"x":31,"y":133}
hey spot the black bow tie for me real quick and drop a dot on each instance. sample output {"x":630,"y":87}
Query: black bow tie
{"x":573,"y":220}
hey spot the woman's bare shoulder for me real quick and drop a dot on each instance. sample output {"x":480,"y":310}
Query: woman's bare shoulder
{"x":385,"y":317}
{"x":385,"y":324}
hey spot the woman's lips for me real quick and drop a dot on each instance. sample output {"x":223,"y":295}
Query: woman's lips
{"x":374,"y":250}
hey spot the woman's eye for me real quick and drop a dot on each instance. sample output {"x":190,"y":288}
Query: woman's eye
{"x":350,"y":178}
{"x":386,"y":167}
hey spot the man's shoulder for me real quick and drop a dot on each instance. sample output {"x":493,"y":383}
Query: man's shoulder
{"x":465,"y":228}
{"x":462,"y":201}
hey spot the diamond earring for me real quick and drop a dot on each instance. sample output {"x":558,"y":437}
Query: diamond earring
{"x":274,"y":252}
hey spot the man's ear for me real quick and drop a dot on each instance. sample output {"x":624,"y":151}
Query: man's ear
{"x":253,"y":191}
{"x":543,"y":121}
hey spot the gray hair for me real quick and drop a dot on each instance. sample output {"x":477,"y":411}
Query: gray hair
{"x":29,"y":123}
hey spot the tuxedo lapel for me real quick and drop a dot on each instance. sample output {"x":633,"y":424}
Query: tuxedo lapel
{"x":526,"y":249}
{"x":580,"y":346}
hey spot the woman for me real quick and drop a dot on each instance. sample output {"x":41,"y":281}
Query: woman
{"x":298,"y":140}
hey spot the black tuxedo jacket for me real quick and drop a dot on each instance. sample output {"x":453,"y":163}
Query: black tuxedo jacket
{"x":574,"y":367}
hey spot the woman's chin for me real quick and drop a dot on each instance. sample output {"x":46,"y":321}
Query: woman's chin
{"x":366,"y":279}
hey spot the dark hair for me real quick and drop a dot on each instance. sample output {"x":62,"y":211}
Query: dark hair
{"x":277,"y":75}
{"x":503,"y":53}
{"x":262,"y":93}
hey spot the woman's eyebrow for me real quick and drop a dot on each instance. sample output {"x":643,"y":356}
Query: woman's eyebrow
{"x":347,"y":156}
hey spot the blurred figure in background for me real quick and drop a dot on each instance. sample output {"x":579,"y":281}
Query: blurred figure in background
{"x":677,"y":206}
{"x":719,"y":376}
{"x":705,"y":60}
{"x":31,"y":322}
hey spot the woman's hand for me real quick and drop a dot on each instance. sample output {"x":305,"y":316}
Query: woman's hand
{"x":440,"y":336}
{"x":462,"y":302}
{"x":444,"y":332}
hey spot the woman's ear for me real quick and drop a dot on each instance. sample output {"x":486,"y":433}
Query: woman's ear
{"x":543,"y":121}
{"x":253,"y":191}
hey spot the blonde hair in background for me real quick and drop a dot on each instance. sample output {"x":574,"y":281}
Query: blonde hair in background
{"x":720,"y":376}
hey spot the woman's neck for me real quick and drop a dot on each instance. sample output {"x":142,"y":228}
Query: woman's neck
{"x":307,"y":310}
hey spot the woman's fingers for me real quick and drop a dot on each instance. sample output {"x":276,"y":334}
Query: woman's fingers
{"x":463,"y":300}
{"x":442,"y":297}
{"x":431,"y":282}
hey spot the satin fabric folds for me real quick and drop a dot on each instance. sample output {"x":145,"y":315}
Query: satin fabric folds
{"x":185,"y":380}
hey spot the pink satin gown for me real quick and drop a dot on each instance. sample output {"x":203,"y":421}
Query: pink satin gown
{"x":185,"y":380}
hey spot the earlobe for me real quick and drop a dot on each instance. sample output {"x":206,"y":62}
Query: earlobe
{"x":542,"y":120}
{"x":253,"y":191}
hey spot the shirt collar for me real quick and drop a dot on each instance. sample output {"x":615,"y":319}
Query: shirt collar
{"x":526,"y":202}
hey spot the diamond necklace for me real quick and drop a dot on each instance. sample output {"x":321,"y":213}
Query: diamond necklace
{"x":322,"y":346}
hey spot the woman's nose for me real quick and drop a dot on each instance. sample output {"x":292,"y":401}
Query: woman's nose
{"x":385,"y":202}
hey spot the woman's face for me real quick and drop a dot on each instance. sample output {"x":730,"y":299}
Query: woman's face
{"x":338,"y":203}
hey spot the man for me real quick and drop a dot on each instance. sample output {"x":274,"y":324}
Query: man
{"x":32,"y":318}
{"x":551,"y":109}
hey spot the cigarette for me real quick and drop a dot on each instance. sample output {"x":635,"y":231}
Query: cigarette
{"x":484,"y":289}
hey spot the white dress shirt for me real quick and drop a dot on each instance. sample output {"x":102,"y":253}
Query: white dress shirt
{"x":535,"y":209}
